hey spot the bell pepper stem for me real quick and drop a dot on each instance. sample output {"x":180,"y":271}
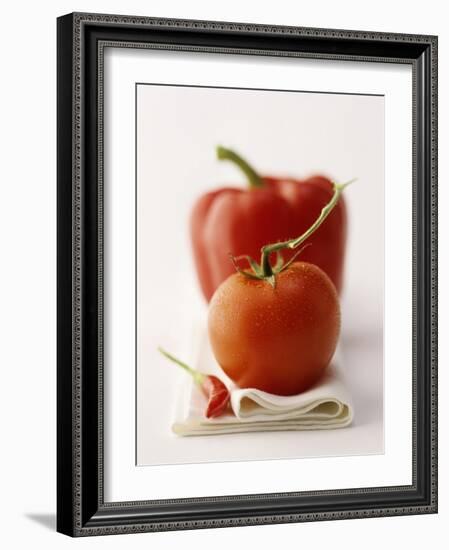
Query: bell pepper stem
{"x":294,"y":243}
{"x":254,"y":180}
{"x":197,"y":376}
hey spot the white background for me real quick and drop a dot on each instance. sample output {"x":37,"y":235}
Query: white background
{"x":123,"y":481}
{"x":27,"y":227}
{"x":283,"y":133}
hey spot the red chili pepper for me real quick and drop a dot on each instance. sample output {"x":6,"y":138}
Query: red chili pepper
{"x":213,"y":388}
{"x":237,"y":221}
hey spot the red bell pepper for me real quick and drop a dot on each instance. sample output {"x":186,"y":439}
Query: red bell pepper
{"x":233,"y":221}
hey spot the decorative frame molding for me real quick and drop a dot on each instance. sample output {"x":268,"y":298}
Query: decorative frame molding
{"x":81,"y":41}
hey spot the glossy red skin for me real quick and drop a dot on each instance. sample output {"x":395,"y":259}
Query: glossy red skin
{"x":241,"y":221}
{"x":217,"y":394}
{"x":279,"y":340}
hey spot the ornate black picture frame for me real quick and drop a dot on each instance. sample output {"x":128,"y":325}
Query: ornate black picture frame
{"x":81,"y":510}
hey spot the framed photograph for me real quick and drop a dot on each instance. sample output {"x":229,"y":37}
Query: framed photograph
{"x":247,"y":278}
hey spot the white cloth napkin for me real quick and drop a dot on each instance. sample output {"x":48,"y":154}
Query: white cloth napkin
{"x":327,"y":405}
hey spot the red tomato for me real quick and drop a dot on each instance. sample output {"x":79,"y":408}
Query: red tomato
{"x":279,"y":340}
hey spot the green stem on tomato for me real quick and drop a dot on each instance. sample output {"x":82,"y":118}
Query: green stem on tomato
{"x":294,"y":243}
{"x":197,"y":376}
{"x":254,"y":180}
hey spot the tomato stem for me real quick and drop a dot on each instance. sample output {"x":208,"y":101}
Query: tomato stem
{"x":254,"y":180}
{"x":294,"y":243}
